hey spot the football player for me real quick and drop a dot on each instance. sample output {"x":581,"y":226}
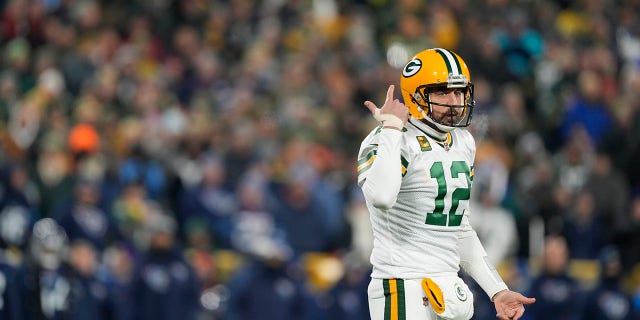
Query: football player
{"x":415,"y":170}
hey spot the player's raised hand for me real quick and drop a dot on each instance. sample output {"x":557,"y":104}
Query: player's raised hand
{"x":393,"y":113}
{"x":510,"y":304}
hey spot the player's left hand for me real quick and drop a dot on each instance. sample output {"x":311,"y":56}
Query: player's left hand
{"x":510,"y":304}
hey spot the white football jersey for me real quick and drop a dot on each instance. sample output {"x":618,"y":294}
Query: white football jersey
{"x":418,"y":235}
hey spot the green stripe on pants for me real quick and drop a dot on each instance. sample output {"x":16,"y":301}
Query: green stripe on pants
{"x":387,"y":299}
{"x":401,"y":307}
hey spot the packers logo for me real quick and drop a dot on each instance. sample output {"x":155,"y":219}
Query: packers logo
{"x":461,"y":293}
{"x":412,"y":68}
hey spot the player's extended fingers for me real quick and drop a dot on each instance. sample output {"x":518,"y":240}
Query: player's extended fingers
{"x":371,"y":106}
{"x":389,"y":94}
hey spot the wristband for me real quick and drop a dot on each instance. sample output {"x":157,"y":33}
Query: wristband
{"x":389,"y":120}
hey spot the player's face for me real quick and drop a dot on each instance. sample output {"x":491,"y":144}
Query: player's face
{"x":444,"y":114}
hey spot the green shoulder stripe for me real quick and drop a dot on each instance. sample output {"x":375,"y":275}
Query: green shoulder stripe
{"x":365,"y":162}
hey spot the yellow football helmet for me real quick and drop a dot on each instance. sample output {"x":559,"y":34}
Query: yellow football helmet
{"x":436,"y":70}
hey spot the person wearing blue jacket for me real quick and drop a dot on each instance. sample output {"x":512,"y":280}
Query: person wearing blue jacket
{"x":608,"y":300}
{"x":557,"y":294}
{"x":165,"y":286}
{"x":10,"y":298}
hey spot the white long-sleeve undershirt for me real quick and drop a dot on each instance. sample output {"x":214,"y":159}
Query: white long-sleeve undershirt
{"x":474,"y":261}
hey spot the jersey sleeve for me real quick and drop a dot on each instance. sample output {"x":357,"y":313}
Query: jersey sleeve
{"x":367,"y":155}
{"x":380,"y":167}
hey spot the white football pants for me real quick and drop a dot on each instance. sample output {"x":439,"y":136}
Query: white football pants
{"x":405,"y":299}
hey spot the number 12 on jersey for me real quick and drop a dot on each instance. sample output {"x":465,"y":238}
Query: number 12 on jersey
{"x":437,"y":217}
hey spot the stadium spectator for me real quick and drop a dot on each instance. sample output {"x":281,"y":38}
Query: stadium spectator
{"x":82,"y":216}
{"x":164,"y":285}
{"x":583,"y":227}
{"x":608,"y":300}
{"x":557,"y":294}
{"x":91,"y":296}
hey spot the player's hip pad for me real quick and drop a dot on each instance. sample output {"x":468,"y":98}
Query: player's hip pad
{"x":449,"y":297}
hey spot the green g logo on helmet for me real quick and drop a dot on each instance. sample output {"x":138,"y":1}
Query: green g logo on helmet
{"x":412,"y":68}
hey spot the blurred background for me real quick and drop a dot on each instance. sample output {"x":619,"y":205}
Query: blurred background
{"x":196,"y":159}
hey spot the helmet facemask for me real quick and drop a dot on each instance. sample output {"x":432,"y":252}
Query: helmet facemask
{"x":459,"y":114}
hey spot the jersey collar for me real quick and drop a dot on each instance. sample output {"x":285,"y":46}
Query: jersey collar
{"x":432,"y":133}
{"x":443,"y":139}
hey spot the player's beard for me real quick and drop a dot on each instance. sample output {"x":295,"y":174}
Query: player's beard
{"x":451,"y":117}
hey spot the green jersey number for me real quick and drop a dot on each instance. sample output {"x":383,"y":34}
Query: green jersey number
{"x":438,"y":217}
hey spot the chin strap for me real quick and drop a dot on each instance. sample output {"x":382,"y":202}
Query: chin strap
{"x":389,"y":120}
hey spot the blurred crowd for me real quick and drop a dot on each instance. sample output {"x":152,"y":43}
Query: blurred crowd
{"x":195,"y":159}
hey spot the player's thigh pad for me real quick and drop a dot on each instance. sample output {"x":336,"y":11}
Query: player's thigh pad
{"x":397,"y":299}
{"x":449,"y":297}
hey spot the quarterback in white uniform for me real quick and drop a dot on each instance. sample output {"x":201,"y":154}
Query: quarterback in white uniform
{"x":416,"y":171}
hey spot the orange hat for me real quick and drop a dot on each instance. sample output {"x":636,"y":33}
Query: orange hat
{"x":83,"y":138}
